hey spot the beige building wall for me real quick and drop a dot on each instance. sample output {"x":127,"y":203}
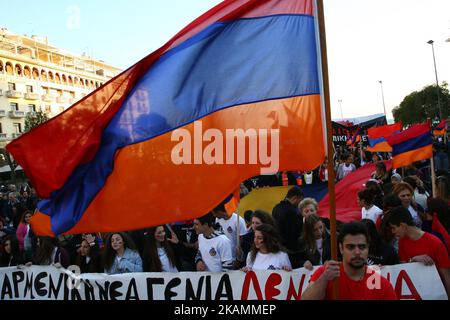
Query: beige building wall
{"x":36,"y":76}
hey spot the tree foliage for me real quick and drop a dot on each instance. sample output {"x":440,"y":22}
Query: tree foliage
{"x":34,"y":119}
{"x":418,"y":106}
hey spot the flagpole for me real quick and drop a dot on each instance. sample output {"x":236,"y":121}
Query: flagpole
{"x":331,"y":174}
{"x":361,"y":150}
{"x":433,"y":178}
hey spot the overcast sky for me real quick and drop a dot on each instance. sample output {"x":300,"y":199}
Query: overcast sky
{"x":368,"y":40}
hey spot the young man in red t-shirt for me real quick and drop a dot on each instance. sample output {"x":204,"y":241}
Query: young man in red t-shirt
{"x":356,"y":280}
{"x":416,"y":245}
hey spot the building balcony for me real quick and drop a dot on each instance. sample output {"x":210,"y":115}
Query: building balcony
{"x":31,"y":96}
{"x":48,"y":98}
{"x":3,"y":137}
{"x":31,"y":113}
{"x":14,"y":94}
{"x":16,"y":114}
{"x":16,"y":135}
{"x":2,"y":113}
{"x":62,"y":99}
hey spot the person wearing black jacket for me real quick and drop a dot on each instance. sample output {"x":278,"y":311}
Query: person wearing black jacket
{"x":314,"y":244}
{"x":288,"y":219}
{"x":380,"y":252}
{"x":11,"y":255}
{"x":88,"y":257}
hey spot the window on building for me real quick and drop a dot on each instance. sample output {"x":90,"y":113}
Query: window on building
{"x":17,"y":127}
{"x":14,"y":106}
{"x":32,"y":107}
{"x":48,"y":109}
{"x":29,"y":89}
{"x":1,"y":129}
{"x":11,"y":86}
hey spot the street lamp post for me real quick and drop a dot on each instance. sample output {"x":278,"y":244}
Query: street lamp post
{"x":342,"y":114}
{"x":431,"y":42}
{"x":382,"y":96}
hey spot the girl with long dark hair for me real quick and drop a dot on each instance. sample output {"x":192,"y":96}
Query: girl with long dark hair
{"x":88,"y":256}
{"x":314,"y":244}
{"x":159,"y":254}
{"x":266,"y":252}
{"x":11,"y":255}
{"x":120,"y":255}
{"x":49,"y":252}
{"x":380,"y":252}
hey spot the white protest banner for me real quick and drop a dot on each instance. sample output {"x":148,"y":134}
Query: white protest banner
{"x":411,"y":281}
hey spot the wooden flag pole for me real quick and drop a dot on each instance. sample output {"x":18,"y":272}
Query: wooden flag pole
{"x":433,"y":178}
{"x":331,"y":174}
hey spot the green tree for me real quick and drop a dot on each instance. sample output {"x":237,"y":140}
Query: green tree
{"x":418,"y":106}
{"x":33,"y":119}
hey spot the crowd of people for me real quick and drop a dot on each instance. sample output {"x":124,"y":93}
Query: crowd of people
{"x":400,"y":222}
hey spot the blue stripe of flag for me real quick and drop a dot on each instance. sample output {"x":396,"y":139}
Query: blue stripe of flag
{"x":413,"y":144}
{"x":228,"y":64}
{"x":374,"y":142}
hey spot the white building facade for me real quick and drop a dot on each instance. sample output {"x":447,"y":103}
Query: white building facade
{"x":37,"y":76}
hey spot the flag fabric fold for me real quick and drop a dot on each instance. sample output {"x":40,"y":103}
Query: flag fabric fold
{"x":413,"y":144}
{"x":106,"y":164}
{"x":377,"y":137}
{"x":355,"y":139}
{"x":441,"y":128}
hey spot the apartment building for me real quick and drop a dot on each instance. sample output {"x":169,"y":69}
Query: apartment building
{"x":35,"y":75}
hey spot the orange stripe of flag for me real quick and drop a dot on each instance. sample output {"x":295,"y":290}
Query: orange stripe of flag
{"x":405,"y":159}
{"x":380,"y":147}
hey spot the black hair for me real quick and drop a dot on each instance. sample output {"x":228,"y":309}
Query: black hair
{"x":248,"y":215}
{"x":442,"y":209}
{"x":221,"y":206}
{"x":265,"y":217}
{"x":391,"y":201}
{"x":294,"y":192}
{"x":208,"y":219}
{"x":400,"y":215}
{"x":352,"y":228}
{"x":109,"y":253}
{"x":374,"y":187}
{"x":367,"y":195}
{"x":375,"y":241}
{"x":271,"y":240}
{"x":411,"y":181}
{"x":381,"y":165}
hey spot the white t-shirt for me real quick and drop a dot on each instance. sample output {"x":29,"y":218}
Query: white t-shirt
{"x":229,"y":228}
{"x":166,"y":265}
{"x":215,"y":251}
{"x":373,"y":213}
{"x":309,"y":178}
{"x":347,"y":170}
{"x":269,"y":261}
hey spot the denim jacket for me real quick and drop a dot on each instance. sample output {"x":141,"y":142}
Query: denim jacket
{"x":130,"y":262}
